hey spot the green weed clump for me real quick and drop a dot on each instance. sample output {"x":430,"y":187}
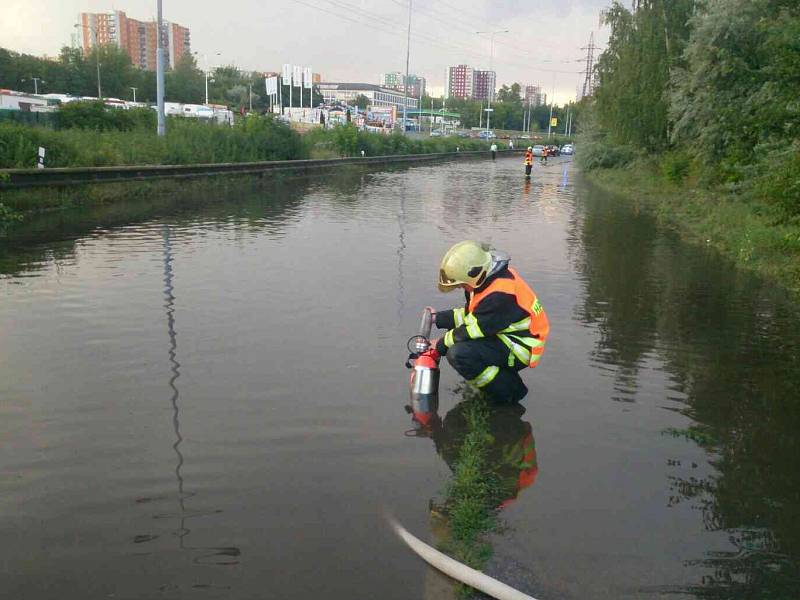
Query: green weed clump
{"x":676,"y":166}
{"x":473,"y":494}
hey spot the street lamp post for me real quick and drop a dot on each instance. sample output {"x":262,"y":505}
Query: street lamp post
{"x":134,"y":94}
{"x":36,"y":81}
{"x":162,"y":121}
{"x":97,"y":57}
{"x":205,"y":71}
{"x":491,"y":71}
{"x":408,"y":58}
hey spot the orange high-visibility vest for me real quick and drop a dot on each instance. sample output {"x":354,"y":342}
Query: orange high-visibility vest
{"x":528,"y":157}
{"x":539,"y":326}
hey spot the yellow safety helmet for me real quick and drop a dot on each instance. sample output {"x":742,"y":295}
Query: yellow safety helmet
{"x":466,"y":263}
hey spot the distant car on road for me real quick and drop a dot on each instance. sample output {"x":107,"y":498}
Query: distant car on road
{"x":487,"y":135}
{"x":553,"y":150}
{"x":436,"y":133}
{"x":567,"y":149}
{"x":538,"y":150}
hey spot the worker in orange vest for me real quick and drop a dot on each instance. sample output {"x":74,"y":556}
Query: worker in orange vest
{"x":528,"y":161}
{"x":502,"y":328}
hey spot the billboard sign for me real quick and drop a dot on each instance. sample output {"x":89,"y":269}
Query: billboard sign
{"x":286,"y":74}
{"x":307,"y":77}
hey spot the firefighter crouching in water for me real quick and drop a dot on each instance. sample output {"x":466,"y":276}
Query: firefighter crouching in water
{"x":501,"y":330}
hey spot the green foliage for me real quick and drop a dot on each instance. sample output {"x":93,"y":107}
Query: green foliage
{"x":779,"y":180}
{"x":676,"y":166}
{"x":715,"y":84}
{"x":473,"y":492}
{"x":187,"y":141}
{"x":633,"y":73}
{"x":362,"y":101}
{"x":596,"y":151}
{"x":95,"y":115}
{"x":8,"y":215}
{"x":347,"y":140}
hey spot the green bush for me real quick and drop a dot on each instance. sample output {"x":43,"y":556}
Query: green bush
{"x":188,"y":141}
{"x":97,"y":116}
{"x":779,"y":182}
{"x":599,"y":154}
{"x":676,"y":166}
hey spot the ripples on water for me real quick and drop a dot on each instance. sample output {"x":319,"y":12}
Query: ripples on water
{"x":203,"y":396}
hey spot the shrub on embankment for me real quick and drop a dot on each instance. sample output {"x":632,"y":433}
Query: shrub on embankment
{"x":187,"y":141}
{"x":89,"y":136}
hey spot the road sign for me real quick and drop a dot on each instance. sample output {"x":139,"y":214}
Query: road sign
{"x":554,"y":122}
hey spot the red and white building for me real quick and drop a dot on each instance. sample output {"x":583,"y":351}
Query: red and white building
{"x":137,"y":38}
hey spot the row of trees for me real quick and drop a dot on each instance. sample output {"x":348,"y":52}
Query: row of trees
{"x":713,"y":80}
{"x":76,"y":74}
{"x":509,"y":111}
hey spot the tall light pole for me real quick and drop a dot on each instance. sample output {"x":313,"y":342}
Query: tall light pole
{"x":491,"y":35}
{"x":552,"y":96}
{"x":134,"y":94}
{"x":408,"y":58}
{"x":97,"y":57}
{"x":205,"y":70}
{"x":162,"y":121}
{"x":36,"y":81}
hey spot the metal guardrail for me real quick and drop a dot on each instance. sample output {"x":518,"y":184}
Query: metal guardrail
{"x":60,"y":177}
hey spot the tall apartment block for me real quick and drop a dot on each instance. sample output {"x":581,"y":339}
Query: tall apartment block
{"x":534,"y":96}
{"x":458,"y":82}
{"x":137,"y":38}
{"x":394,"y":81}
{"x":484,"y":85}
{"x":462,"y":81}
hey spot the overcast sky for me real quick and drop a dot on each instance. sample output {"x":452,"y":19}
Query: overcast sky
{"x":351,"y":40}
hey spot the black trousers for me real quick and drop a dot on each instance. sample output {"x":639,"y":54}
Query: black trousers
{"x":494,"y":154}
{"x":528,"y":169}
{"x":471,"y":358}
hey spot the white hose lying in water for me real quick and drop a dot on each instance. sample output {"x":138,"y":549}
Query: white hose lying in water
{"x":456,"y":570}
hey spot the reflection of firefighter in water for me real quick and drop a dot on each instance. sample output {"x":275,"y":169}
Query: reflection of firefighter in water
{"x":512,"y":453}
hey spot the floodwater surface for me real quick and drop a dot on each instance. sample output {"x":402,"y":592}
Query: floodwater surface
{"x":203,"y":396}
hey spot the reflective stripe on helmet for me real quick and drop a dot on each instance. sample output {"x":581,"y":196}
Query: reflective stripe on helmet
{"x":486,"y":376}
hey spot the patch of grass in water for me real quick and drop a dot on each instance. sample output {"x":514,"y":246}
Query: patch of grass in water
{"x":470,"y":508}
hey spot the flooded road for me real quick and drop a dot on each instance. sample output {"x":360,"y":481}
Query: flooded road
{"x":204,"y":398}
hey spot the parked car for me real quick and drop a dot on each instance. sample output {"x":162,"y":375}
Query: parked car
{"x":436,"y":133}
{"x":538,"y":150}
{"x":553,"y":150}
{"x":487,"y":135}
{"x":567,"y":149}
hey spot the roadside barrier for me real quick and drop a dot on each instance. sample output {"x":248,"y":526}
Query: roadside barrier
{"x":68,"y":176}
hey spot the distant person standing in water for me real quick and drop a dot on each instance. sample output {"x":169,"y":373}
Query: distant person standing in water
{"x":493,"y":150}
{"x":510,"y":144}
{"x":528,"y":161}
